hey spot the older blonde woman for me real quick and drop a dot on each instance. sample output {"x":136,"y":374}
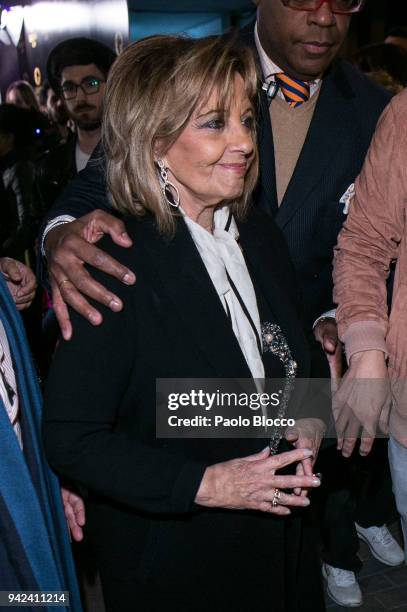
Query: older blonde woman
{"x":190,"y":524}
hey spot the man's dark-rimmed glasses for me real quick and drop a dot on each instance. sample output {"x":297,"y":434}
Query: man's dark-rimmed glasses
{"x":340,"y":7}
{"x":89,"y":85}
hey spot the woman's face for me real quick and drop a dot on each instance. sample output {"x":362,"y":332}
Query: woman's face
{"x":210,"y":159}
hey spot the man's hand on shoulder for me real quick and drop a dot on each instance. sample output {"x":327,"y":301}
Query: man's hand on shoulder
{"x":68,"y":248}
{"x":21,"y":281}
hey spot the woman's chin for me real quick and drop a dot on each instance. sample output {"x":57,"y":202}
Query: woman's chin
{"x":233,"y":194}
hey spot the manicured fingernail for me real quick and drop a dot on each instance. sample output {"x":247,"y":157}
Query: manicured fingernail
{"x":316,"y":482}
{"x":115,"y":305}
{"x":307,"y":452}
{"x":128,"y":279}
{"x":94,"y":319}
{"x":305,"y":501}
{"x":125,"y":235}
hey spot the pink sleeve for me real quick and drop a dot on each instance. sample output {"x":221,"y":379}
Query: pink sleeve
{"x":370,"y":238}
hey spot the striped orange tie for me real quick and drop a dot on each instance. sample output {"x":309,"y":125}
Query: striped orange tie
{"x":296,"y":92}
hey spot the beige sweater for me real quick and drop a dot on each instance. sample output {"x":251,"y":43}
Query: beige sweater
{"x":375,"y":234}
{"x":290,"y":128}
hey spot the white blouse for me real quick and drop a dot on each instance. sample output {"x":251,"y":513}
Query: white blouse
{"x":222,"y":256}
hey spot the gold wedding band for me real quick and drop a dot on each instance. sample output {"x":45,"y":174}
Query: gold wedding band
{"x":276,"y":498}
{"x":66,"y":280}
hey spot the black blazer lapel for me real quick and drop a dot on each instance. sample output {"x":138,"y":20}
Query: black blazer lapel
{"x":333,"y":119}
{"x":269,"y":263}
{"x":182,"y":272}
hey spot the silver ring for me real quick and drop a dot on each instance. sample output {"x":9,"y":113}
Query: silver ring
{"x":276,"y":498}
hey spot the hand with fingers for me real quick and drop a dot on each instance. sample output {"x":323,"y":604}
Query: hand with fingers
{"x":306,"y":434}
{"x":20,"y":280}
{"x":68,"y":248}
{"x":252,"y":483}
{"x":362,"y":402}
{"x":74,"y":509}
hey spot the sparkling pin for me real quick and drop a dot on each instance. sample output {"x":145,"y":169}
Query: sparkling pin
{"x":275,"y":342}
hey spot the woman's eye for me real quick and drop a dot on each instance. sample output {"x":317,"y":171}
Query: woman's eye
{"x":215,"y":124}
{"x":248,"y":121}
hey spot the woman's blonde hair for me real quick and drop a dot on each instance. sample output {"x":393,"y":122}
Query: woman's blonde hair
{"x":152,"y":91}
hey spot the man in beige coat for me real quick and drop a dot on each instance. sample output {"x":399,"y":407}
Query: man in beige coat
{"x":374,"y":236}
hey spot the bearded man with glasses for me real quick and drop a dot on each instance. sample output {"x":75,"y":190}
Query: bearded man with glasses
{"x":317,"y":117}
{"x":77,"y":70}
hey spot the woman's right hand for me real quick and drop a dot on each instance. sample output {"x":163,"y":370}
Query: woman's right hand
{"x":249,"y":483}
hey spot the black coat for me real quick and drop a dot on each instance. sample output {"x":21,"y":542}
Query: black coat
{"x":53,"y":171}
{"x":17,"y":209}
{"x":152,"y":542}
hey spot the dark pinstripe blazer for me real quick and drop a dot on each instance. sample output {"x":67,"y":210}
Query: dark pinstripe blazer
{"x":311,"y":215}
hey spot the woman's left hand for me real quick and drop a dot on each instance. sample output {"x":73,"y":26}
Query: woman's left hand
{"x":21,"y":281}
{"x":307,"y":433}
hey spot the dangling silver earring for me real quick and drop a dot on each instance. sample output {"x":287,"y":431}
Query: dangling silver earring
{"x":167,"y":187}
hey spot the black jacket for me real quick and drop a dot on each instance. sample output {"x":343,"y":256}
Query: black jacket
{"x":17,"y":208}
{"x":53,"y":171}
{"x":99,"y":427}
